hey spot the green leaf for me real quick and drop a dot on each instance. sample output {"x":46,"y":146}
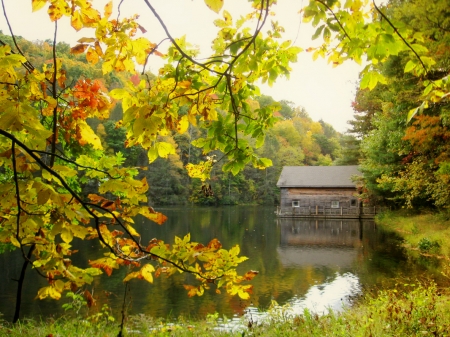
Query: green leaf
{"x":410,"y":65}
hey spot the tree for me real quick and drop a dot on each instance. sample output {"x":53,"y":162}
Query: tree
{"x":48,"y":150}
{"x":404,"y":152}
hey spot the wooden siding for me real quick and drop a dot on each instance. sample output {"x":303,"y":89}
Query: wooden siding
{"x":323,"y":197}
{"x":323,"y":202}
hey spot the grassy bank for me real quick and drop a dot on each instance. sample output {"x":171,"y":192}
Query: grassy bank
{"x":428,"y":234}
{"x":407,"y":310}
{"x":419,"y":309}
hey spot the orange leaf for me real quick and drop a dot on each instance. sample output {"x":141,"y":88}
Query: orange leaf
{"x":96,"y":198}
{"x":98,"y":49}
{"x":92,"y":56}
{"x":250,"y":274}
{"x":214,"y":244}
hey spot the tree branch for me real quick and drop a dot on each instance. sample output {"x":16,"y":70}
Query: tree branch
{"x":400,"y":35}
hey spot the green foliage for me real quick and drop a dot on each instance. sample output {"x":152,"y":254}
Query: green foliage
{"x":403,"y":122}
{"x":76,"y":304}
{"x":407,"y":310}
{"x":427,"y":245}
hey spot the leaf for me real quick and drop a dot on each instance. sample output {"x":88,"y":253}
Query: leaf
{"x":105,"y":263}
{"x":48,"y":292}
{"x":183,"y":124}
{"x":214,"y":5}
{"x":248,"y":276}
{"x":92,"y":56}
{"x":37,"y":4}
{"x":131,"y":276}
{"x":164,"y":149}
{"x":146,"y":272}
{"x":79,"y":48}
{"x":410,"y":65}
{"x":108,"y":9}
{"x":66,"y":235}
{"x":150,"y":214}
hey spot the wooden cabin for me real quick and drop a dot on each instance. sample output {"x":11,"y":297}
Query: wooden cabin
{"x":320,"y":191}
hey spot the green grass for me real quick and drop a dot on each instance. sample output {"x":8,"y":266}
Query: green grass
{"x":407,"y":310}
{"x":426,"y":233}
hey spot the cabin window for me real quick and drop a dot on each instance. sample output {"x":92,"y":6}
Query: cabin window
{"x":353,"y":203}
{"x":295,"y":203}
{"x":335,"y":204}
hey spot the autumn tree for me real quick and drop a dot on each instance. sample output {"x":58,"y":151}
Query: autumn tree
{"x":403,"y":122}
{"x":49,"y":150}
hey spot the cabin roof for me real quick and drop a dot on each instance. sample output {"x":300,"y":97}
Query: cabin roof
{"x":318,"y":176}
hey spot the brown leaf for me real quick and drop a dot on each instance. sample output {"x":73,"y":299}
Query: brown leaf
{"x":142,"y":29}
{"x":90,"y":300}
{"x":79,"y":48}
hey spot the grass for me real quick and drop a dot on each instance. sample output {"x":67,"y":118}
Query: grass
{"x":406,"y":310}
{"x":420,"y":309}
{"x":429,"y":234}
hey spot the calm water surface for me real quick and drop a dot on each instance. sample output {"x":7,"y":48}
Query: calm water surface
{"x":314,"y":264}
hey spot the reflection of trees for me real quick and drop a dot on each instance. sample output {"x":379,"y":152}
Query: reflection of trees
{"x":377,"y":257}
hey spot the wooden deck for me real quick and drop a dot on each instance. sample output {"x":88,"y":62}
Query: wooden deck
{"x":320,"y":212}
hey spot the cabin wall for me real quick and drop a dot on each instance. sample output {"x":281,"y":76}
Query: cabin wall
{"x":321,"y":197}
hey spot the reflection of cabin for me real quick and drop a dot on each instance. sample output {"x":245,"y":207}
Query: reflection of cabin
{"x":329,"y":243}
{"x":320,"y":191}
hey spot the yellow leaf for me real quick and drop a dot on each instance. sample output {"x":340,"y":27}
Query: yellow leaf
{"x":86,"y":40}
{"x":76,"y":22}
{"x":244,"y":295}
{"x":150,"y":214}
{"x":14,"y":241}
{"x":132,"y":230}
{"x":37,"y":4}
{"x":58,"y":9}
{"x":146,"y":273}
{"x":88,"y":135}
{"x":59,"y":285}
{"x":164,"y":149}
{"x":131,"y":276}
{"x":152,"y":155}
{"x":66,"y":235}
{"x":48,"y":291}
{"x":183,"y":124}
{"x":79,"y":231}
{"x":214,"y":5}
{"x":108,"y":9}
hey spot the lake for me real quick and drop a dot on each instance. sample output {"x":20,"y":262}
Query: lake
{"x":307,"y":263}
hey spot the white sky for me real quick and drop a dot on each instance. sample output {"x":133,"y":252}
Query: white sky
{"x":325,"y":92}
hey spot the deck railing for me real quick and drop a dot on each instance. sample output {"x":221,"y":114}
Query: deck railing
{"x":313,"y":211}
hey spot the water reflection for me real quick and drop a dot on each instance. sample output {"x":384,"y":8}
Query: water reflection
{"x":332,"y":247}
{"x":305,"y":263}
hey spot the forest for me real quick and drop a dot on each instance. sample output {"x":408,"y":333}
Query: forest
{"x":90,"y":139}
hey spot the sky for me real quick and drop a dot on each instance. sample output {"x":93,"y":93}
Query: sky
{"x":325,"y":92}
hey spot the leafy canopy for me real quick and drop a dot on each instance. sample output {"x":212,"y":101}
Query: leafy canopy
{"x":49,"y":152}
